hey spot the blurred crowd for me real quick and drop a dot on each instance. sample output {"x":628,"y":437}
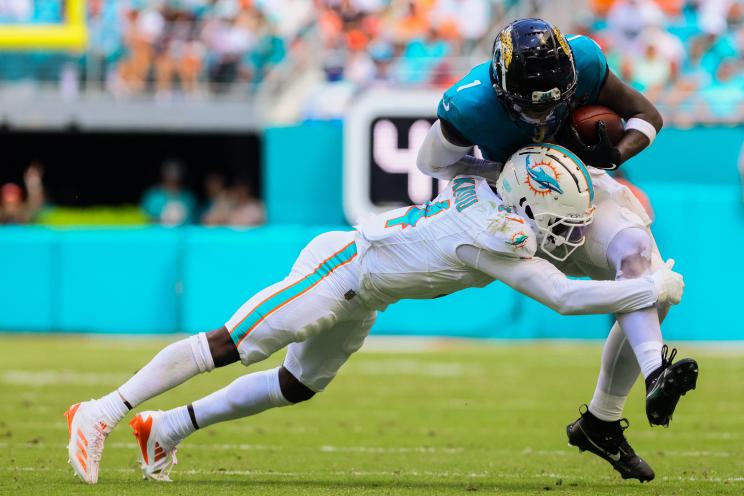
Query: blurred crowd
{"x":224,"y":41}
{"x":171,"y":203}
{"x":184,"y":44}
{"x":393,"y":42}
{"x":21,"y":205}
{"x":188,"y":46}
{"x":683,"y":54}
{"x":408,"y":42}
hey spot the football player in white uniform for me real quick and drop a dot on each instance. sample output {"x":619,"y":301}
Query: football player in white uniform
{"x":323,"y":310}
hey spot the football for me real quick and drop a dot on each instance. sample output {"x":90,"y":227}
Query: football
{"x":584,"y":120}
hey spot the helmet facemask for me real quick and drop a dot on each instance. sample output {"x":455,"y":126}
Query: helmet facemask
{"x":542,"y":120}
{"x":560,"y":236}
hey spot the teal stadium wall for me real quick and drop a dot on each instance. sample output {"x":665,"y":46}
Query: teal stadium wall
{"x":145,"y":280}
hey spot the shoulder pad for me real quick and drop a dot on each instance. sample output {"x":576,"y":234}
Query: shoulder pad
{"x":591,"y":65}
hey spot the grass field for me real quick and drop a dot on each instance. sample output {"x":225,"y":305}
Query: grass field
{"x":450,"y":418}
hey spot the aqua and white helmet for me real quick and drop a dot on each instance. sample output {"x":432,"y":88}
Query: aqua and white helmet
{"x":550,"y":187}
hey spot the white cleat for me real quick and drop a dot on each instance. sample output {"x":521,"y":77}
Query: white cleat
{"x":157,"y":456}
{"x":88,"y":431}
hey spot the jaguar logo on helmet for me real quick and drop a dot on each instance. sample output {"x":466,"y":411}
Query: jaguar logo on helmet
{"x":507,"y":49}
{"x":543,"y":178}
{"x":562,"y":41}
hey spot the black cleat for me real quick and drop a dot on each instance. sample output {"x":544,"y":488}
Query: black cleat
{"x":666,"y":384}
{"x":606,"y":440}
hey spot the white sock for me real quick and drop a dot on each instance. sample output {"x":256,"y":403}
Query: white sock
{"x":617,"y":375}
{"x":177,"y":424}
{"x":648,"y":355}
{"x":247,"y":395}
{"x":113,"y":407}
{"x":174,"y":364}
{"x":644,"y":335}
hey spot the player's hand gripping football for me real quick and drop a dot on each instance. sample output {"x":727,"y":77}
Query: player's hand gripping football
{"x":603,"y":155}
{"x":669,"y":284}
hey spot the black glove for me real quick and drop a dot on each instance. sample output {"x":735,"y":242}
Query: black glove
{"x":603,"y":155}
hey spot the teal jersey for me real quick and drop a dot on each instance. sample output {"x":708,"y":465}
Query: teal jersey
{"x":472,"y":107}
{"x":171,"y":208}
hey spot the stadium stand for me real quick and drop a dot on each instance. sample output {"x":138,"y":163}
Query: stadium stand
{"x":684,"y":54}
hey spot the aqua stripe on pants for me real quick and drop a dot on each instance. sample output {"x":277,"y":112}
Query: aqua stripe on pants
{"x":284,"y":296}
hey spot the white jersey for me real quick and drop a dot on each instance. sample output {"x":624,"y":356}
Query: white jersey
{"x":410,"y":252}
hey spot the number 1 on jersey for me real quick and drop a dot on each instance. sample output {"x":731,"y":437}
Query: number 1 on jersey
{"x":415,"y":214}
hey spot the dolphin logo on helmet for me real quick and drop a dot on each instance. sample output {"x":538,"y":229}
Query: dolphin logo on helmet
{"x":540,"y":181}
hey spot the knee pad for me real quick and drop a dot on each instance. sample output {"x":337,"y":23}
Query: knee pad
{"x":630,"y":253}
{"x":292,"y":389}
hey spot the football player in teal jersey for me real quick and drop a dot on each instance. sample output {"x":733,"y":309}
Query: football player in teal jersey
{"x":524,"y":94}
{"x":535,"y":78}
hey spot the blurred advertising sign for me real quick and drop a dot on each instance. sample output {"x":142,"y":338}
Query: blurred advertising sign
{"x":382,"y":134}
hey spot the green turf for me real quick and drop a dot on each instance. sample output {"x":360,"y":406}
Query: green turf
{"x":460,"y":418}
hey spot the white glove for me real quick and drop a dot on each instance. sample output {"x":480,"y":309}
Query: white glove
{"x":669,"y":284}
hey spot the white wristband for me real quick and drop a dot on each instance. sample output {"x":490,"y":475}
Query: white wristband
{"x":642,"y":126}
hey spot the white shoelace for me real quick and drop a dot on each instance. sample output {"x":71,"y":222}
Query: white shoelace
{"x":163,"y":473}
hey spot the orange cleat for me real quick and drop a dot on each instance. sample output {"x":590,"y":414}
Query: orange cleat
{"x":157,"y":456}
